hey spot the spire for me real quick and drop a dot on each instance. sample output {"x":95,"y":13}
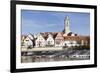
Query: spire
{"x":67,"y":25}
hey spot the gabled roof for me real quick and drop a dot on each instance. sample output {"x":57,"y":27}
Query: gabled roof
{"x":59,"y":36}
{"x":45,"y":35}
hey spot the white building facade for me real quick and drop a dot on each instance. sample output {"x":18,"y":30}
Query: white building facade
{"x":27,"y":42}
{"x":40,"y":41}
{"x":50,"y":40}
{"x":59,"y":40}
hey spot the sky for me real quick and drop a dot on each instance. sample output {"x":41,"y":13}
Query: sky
{"x":33,"y":22}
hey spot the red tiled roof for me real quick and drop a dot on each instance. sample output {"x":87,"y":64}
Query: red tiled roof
{"x":67,"y":37}
{"x":76,"y":38}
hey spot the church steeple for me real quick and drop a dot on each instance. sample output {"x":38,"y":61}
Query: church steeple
{"x":67,"y":25}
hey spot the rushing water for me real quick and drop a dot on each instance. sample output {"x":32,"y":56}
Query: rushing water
{"x":46,"y":56}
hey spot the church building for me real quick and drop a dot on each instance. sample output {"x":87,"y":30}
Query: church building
{"x":72,"y":39}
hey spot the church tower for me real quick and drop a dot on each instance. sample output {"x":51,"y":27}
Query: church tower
{"x":67,"y":25}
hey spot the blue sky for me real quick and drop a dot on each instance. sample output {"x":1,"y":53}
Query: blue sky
{"x":49,"y":21}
